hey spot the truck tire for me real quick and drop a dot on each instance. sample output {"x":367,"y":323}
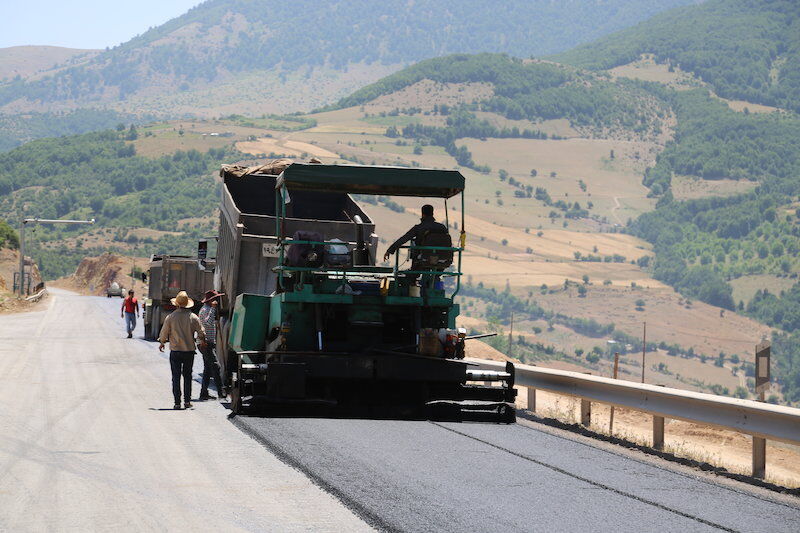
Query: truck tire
{"x":226,"y":362}
{"x":155,"y":321}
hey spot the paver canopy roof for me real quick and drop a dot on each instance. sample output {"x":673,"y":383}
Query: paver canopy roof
{"x":356,"y":179}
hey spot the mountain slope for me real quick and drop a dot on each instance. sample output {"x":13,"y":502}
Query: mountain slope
{"x":745,"y":49}
{"x":26,"y":61}
{"x":223,"y":40}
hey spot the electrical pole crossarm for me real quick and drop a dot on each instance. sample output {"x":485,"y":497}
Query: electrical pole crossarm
{"x":22,"y":243}
{"x":55,"y":221}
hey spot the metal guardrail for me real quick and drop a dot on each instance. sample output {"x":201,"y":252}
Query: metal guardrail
{"x":761,"y":420}
{"x":36,"y":297}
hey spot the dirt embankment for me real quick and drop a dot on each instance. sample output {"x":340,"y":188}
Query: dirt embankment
{"x":94,"y":275}
{"x":9,"y":264}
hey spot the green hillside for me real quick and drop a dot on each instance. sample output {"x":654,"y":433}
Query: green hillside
{"x":8,"y":237}
{"x":745,"y":49}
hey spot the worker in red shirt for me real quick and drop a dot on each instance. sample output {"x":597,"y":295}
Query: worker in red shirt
{"x":129,"y":311}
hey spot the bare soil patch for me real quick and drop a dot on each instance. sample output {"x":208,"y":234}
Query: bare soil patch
{"x":670,"y":318}
{"x":95,"y":274}
{"x":427,"y":93}
{"x":646,"y":69}
{"x":748,"y":107}
{"x":561,"y":166}
{"x":745,"y":288}
{"x":167,"y":144}
{"x":283,"y":146}
{"x":692,"y":187}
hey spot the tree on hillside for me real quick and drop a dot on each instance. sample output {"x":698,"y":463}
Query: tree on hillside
{"x":8,"y":237}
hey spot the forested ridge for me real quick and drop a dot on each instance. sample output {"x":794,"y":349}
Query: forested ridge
{"x":744,"y":49}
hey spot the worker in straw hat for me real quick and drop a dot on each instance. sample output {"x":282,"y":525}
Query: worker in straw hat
{"x":179,"y":330}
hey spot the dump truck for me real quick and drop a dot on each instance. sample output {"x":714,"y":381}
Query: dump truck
{"x":169,"y":274}
{"x":310,"y":320}
{"x":115,"y":289}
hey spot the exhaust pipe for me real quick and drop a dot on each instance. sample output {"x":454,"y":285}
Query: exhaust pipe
{"x":360,"y":252}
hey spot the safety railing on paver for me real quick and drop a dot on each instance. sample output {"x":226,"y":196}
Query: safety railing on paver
{"x":761,"y":420}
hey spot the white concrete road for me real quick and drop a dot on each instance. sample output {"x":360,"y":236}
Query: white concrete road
{"x":89,"y":440}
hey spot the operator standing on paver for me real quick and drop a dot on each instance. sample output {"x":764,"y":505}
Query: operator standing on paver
{"x":208,"y":317}
{"x":179,"y":330}
{"x":129,"y":311}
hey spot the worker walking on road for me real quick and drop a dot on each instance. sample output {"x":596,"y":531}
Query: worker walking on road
{"x":179,"y":330}
{"x":129,"y":311}
{"x":208,"y":317}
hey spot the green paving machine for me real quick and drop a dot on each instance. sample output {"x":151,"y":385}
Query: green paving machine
{"x":309,"y":321}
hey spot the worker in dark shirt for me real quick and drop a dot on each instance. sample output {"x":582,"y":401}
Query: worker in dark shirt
{"x":426,"y":225}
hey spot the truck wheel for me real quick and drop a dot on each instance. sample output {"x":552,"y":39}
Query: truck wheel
{"x":227,"y":360}
{"x":155,"y":322}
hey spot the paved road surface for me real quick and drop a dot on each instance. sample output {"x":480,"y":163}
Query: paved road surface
{"x":88,"y":440}
{"x":84,"y":450}
{"x":425,"y":476}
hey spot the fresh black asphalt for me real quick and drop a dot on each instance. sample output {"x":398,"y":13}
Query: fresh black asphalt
{"x":426,"y":476}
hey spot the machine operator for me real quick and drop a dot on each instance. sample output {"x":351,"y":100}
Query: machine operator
{"x":426,"y":226}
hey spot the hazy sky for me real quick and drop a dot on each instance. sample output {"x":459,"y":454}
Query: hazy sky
{"x":83,"y":23}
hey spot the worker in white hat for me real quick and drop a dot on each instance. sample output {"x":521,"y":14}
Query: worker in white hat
{"x":179,"y":330}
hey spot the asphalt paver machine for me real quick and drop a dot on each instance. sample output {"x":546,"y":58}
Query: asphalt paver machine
{"x":309,"y":320}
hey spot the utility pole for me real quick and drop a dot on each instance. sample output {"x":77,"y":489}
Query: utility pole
{"x":644,"y":347}
{"x":22,"y":225}
{"x":616,"y":373}
{"x":511,"y":336}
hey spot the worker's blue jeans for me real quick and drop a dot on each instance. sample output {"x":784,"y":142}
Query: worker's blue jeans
{"x":181,"y":365}
{"x":210,"y":369}
{"x":130,"y":322}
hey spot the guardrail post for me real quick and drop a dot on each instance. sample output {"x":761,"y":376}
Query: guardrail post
{"x":531,"y":399}
{"x":759,"y":457}
{"x":658,"y":432}
{"x":586,"y":412}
